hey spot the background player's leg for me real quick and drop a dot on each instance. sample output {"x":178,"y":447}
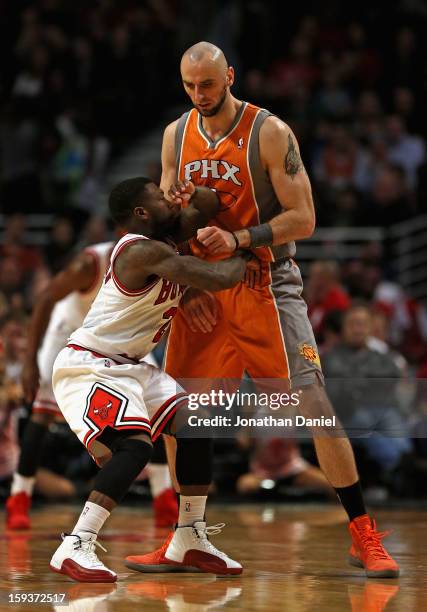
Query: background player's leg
{"x":19,"y":501}
{"x":75,"y":557}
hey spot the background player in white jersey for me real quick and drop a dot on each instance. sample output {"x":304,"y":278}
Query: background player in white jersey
{"x":117,"y":404}
{"x":59,"y":310}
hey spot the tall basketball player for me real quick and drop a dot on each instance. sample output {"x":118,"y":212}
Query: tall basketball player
{"x":251,"y":158}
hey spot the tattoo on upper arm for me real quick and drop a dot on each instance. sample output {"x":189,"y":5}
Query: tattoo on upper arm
{"x":293,"y":163}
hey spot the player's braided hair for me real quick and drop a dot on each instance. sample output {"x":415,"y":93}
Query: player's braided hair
{"x":123,"y":197}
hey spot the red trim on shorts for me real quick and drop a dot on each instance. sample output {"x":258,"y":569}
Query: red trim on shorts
{"x":167,"y":403}
{"x":97,"y":262}
{"x":179,"y":399}
{"x":142,"y":420}
{"x":44,"y":410}
{"x":147,"y":428}
{"x":137,"y":427}
{"x":45,"y":406}
{"x":120,"y":286}
{"x":77,"y":347}
{"x":40,"y":400}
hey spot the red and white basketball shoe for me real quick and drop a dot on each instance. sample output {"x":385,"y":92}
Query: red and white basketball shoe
{"x":77,"y":559}
{"x":165,"y":507}
{"x":18,"y":511}
{"x":187,"y":550}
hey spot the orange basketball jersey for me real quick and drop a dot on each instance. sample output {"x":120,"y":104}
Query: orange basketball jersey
{"x":232,"y":167}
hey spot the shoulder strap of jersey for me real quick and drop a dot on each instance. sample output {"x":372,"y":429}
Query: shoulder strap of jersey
{"x":179,"y":137}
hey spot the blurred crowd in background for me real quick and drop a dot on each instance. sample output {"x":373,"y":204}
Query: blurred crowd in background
{"x":79,"y":82}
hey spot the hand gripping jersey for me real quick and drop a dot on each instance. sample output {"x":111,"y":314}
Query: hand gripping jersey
{"x":232,"y":167}
{"x":126,"y":324}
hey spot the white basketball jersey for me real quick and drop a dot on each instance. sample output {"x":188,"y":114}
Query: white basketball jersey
{"x":126,"y":324}
{"x":69,"y":313}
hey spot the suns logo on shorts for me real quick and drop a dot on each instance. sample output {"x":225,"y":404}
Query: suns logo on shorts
{"x":309,"y":352}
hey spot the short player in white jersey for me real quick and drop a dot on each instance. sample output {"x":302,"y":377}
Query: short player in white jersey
{"x":59,"y":310}
{"x":117,"y":404}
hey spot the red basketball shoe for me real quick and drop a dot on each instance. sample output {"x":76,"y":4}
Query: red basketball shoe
{"x":368,"y":552}
{"x":165,"y":507}
{"x":18,"y":511}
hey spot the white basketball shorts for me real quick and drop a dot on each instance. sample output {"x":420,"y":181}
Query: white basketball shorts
{"x":45,"y":400}
{"x":93,"y":392}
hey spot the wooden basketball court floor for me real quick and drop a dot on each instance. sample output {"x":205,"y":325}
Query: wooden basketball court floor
{"x":294,"y":558}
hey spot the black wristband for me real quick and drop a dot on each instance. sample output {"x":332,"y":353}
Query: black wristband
{"x":236,"y":240}
{"x":261,"y":235}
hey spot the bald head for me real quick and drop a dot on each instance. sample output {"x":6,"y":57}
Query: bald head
{"x":207,"y":78}
{"x":207,"y":53}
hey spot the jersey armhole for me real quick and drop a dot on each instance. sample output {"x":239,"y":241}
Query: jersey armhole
{"x":120,"y":286}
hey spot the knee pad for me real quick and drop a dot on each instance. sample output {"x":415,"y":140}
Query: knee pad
{"x":130,"y":456}
{"x":194,"y":460}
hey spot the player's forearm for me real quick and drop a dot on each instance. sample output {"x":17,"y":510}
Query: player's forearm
{"x":287,"y":226}
{"x":204,"y":205}
{"x":38,"y":324}
{"x":211,"y":276}
{"x":230,"y":271}
{"x":206,"y":202}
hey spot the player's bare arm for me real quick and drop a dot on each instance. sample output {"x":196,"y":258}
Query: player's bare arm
{"x":281,"y":158}
{"x":144,"y":259}
{"x":79,"y":275}
{"x":168,"y":158}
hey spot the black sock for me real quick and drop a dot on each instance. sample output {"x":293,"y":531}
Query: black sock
{"x":352,"y":499}
{"x":31,"y":448}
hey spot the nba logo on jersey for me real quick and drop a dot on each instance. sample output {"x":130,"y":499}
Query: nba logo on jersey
{"x":187,"y":506}
{"x":240,"y":143}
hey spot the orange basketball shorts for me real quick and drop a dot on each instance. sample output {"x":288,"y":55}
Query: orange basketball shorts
{"x":265,"y":332}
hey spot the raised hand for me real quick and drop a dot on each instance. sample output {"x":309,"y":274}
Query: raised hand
{"x":181,"y":191}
